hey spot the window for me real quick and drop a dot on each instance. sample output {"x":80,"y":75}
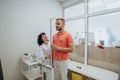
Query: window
{"x":102,"y":21}
{"x":76,"y":28}
{"x":105,"y":28}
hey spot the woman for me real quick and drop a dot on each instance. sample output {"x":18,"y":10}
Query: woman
{"x":43,"y":43}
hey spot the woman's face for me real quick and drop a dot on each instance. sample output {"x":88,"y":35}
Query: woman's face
{"x":44,"y":38}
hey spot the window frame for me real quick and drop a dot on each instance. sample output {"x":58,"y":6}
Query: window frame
{"x":86,"y":17}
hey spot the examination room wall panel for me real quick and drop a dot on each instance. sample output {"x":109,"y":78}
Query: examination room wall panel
{"x":20,"y":23}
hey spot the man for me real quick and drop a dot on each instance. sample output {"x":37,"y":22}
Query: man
{"x":62,"y":45}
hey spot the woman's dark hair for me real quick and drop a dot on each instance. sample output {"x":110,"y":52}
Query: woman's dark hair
{"x":40,"y":38}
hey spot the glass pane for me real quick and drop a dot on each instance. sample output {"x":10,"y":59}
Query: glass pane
{"x":101,"y":5}
{"x":76,"y":28}
{"x":105,"y":53}
{"x":73,"y":11}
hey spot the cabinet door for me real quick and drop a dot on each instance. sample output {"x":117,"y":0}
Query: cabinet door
{"x":1,"y":73}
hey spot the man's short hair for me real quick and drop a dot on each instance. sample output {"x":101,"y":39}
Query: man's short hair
{"x":61,"y":20}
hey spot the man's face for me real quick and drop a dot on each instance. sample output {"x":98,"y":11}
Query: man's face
{"x":59,"y":25}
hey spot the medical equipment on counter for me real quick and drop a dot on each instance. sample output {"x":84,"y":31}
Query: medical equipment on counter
{"x":31,"y":57}
{"x":30,"y":66}
{"x":33,"y":68}
{"x":30,"y":70}
{"x":116,"y":44}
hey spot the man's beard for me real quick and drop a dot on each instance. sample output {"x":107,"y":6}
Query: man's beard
{"x":58,"y":29}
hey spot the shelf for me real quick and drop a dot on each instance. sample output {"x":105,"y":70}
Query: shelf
{"x":31,"y":73}
{"x":47,"y":66}
{"x":30,"y":63}
{"x":28,"y":76}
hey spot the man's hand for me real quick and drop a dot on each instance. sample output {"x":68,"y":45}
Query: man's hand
{"x":54,"y":47}
{"x":61,"y":49}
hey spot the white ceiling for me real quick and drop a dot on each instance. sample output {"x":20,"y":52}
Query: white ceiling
{"x":92,"y":3}
{"x":66,"y":3}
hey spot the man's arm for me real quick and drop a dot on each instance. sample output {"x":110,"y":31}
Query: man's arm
{"x":68,"y":49}
{"x":61,"y":49}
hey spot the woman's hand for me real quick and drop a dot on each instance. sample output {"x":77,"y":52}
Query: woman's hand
{"x":49,"y":56}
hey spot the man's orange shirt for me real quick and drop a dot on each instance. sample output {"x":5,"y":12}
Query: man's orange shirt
{"x":62,"y":40}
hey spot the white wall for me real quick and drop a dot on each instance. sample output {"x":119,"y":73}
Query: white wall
{"x":20,"y":23}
